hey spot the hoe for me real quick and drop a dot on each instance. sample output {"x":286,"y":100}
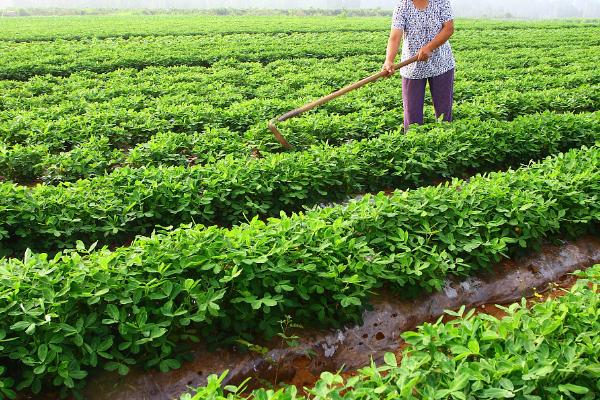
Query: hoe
{"x":309,"y":106}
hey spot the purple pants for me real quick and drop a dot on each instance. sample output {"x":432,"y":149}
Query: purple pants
{"x":413,"y":97}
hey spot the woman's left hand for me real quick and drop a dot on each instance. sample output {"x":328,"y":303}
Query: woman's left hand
{"x":424,"y":54}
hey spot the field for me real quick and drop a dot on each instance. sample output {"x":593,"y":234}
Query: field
{"x":145,"y":207}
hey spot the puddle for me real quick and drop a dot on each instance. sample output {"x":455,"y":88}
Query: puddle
{"x":352,"y":347}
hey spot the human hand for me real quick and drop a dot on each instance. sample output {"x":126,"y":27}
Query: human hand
{"x":424,"y":54}
{"x":388,"y":67}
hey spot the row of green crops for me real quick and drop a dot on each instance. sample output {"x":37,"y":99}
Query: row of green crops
{"x":47,"y":116}
{"x":96,"y":155}
{"x":47,"y":29}
{"x":223,"y":84}
{"x":99,"y":148}
{"x":33,"y":29}
{"x":127,"y":127}
{"x":114,"y":126}
{"x":141,"y":304}
{"x":21,"y":61}
{"x":550,"y":351}
{"x":130,"y":201}
{"x":279,"y":79}
{"x":129,"y":108}
{"x":55,"y":130}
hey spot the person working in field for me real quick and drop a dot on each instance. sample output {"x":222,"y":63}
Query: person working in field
{"x":424,"y":26}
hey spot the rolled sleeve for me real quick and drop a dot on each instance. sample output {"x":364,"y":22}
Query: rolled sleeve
{"x":399,"y":18}
{"x":446,"y":13}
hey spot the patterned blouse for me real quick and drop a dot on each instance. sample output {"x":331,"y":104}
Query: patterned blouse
{"x":419,"y":28}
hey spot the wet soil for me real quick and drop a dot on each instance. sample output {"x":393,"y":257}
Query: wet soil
{"x":554,"y":290}
{"x":352,"y":347}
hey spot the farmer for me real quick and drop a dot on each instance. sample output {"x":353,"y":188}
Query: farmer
{"x":424,"y":26}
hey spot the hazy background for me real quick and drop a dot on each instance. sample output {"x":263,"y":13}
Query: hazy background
{"x":464,"y":8}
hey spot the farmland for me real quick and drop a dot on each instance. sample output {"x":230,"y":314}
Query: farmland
{"x":145,"y":207}
{"x":496,"y":351}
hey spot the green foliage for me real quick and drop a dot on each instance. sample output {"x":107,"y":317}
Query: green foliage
{"x":127,"y":202}
{"x":188,"y":149}
{"x":140,"y":304}
{"x":92,"y":158}
{"x":140,"y":131}
{"x":162,"y":110}
{"x":550,"y":351}
{"x":171,"y":22}
{"x":21,"y":162}
{"x":152,"y":111}
{"x":63,"y":57}
{"x":6,"y":384}
{"x":136,"y":23}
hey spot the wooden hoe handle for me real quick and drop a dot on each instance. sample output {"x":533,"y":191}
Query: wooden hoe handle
{"x":329,"y":97}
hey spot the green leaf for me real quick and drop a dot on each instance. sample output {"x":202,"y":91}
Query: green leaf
{"x":569,"y":388}
{"x":123,"y":369}
{"x":20,"y":326}
{"x":42,"y":352}
{"x":489,"y":336}
{"x":538,"y":373}
{"x":169,"y":364}
{"x":31,"y":329}
{"x":459,"y":382}
{"x":40,"y":369}
{"x":269,"y":302}
{"x":390,"y":359}
{"x":496,"y":393}
{"x":474,"y":346}
{"x":113,"y":312}
{"x":78,"y":374}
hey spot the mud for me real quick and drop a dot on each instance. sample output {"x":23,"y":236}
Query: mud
{"x":352,"y":347}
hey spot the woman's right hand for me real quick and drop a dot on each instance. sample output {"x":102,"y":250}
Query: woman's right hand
{"x":388,"y":67}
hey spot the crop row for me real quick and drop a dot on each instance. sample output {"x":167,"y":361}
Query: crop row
{"x":64,"y":315}
{"x":129,"y":201}
{"x":35,"y":29}
{"x":29,"y":144}
{"x":69,"y":28}
{"x":51,"y":97}
{"x":133,"y":116}
{"x":96,"y":156}
{"x":284,"y":79}
{"x":21,"y":61}
{"x":505,"y":105}
{"x":168,"y":135}
{"x":63,"y":126}
{"x":550,"y":351}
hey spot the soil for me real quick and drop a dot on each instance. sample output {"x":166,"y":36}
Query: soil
{"x":305,"y":378}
